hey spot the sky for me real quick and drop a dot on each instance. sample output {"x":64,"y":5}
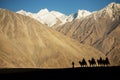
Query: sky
{"x":64,"y":6}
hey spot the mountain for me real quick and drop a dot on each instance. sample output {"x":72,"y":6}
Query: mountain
{"x":100,"y":30}
{"x":82,"y":14}
{"x":50,"y":18}
{"x":53,"y":18}
{"x":27,"y":43}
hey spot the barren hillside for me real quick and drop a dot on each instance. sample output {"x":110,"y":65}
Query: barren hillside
{"x":26,"y":43}
{"x":100,"y":30}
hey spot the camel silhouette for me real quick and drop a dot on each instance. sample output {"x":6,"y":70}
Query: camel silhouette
{"x":106,"y":62}
{"x":102,"y":62}
{"x":92,"y":62}
{"x":83,"y":63}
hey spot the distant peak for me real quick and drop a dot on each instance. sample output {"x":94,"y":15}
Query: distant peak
{"x":45,"y":10}
{"x":21,"y":12}
{"x":82,"y":14}
{"x":53,"y":11}
{"x":2,"y":9}
{"x":113,"y":5}
{"x":83,"y":11}
{"x":57,"y":14}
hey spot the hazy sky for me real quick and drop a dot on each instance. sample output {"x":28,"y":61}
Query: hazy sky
{"x":64,"y":6}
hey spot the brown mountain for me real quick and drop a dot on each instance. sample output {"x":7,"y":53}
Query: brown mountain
{"x":100,"y":30}
{"x":25,"y":42}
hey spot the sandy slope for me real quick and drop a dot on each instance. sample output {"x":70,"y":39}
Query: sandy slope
{"x":25,"y":42}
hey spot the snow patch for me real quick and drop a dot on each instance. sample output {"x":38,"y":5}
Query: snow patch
{"x":82,"y":14}
{"x":50,"y":18}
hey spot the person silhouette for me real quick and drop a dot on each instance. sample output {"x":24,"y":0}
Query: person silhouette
{"x":73,"y":64}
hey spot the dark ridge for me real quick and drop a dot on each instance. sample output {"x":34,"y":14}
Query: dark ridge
{"x":63,"y":73}
{"x":112,"y":27}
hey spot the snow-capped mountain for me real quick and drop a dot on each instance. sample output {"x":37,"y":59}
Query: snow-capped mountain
{"x":45,"y":16}
{"x":82,"y":14}
{"x":79,"y":15}
{"x":51,"y":18}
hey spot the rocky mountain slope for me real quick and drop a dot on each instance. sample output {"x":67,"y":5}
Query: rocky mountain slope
{"x":26,"y":43}
{"x":101,"y":30}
